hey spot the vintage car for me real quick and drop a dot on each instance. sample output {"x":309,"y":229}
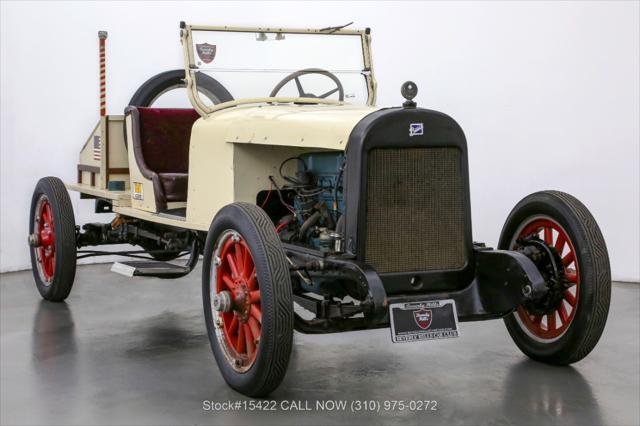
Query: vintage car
{"x":315,"y":210}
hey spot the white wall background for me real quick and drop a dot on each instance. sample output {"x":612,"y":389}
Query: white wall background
{"x":547,"y":93}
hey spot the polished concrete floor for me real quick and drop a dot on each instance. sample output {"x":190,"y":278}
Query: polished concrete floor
{"x":134,"y":351}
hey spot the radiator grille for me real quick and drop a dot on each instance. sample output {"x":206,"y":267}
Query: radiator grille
{"x":415,"y":210}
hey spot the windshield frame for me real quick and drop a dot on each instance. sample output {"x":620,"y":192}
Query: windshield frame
{"x":191,"y":68}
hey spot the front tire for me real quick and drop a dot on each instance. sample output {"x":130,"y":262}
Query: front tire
{"x":567,"y":324}
{"x":247,"y":298}
{"x":52,"y":237}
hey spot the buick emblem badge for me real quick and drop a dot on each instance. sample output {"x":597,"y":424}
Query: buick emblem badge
{"x":416,"y":129}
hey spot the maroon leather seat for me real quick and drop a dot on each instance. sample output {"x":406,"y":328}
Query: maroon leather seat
{"x":161,"y":147}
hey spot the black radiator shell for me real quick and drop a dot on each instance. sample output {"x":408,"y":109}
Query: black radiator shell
{"x":389,"y":128}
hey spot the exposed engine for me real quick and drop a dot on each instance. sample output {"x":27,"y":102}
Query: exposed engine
{"x":313,"y":201}
{"x":308,"y":210}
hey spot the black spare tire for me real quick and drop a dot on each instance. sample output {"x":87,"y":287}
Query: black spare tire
{"x":166,"y":81}
{"x":161,"y":83}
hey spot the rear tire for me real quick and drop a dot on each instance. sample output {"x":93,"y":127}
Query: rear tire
{"x":252,"y":336}
{"x":568,"y":332}
{"x":52,"y":225}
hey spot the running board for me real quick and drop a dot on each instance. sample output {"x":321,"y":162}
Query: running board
{"x":156,"y":268}
{"x":151,"y":268}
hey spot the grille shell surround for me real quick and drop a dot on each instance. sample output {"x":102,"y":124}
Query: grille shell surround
{"x":390,"y":128}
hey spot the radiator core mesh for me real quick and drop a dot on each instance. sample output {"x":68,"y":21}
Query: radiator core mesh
{"x":415,"y":210}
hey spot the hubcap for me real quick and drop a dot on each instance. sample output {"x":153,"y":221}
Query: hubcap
{"x":222,"y":302}
{"x":43,"y":240}
{"x":551,"y":249}
{"x":235,"y":300}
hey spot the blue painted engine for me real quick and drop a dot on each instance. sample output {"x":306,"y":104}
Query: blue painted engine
{"x":313,"y":200}
{"x":317,"y":201}
{"x":324,"y":170}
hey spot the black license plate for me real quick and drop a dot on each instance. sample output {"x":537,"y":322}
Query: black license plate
{"x":433,"y":319}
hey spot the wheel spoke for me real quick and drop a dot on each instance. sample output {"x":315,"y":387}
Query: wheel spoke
{"x":46,"y":266}
{"x":46,"y":214}
{"x":50,"y":213}
{"x":560,"y":243}
{"x":564,"y":316}
{"x":239,"y":255}
{"x":229,"y":282}
{"x":247,"y":266}
{"x":568,"y":259}
{"x":44,"y":219}
{"x":248,"y":339}
{"x":255,"y":328}
{"x":570,"y":298}
{"x":548,"y":236}
{"x":240,"y":343}
{"x":537,"y":319}
{"x":571,"y":276}
{"x":256,"y":313}
{"x":232,"y":266}
{"x":551,"y":321}
{"x":254,"y":296}
{"x":329,"y":93}
{"x":253,"y":282}
{"x":233,"y":326}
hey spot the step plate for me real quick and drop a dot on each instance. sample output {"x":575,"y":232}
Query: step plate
{"x":148,"y":269}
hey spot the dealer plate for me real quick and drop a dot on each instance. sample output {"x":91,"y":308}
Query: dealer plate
{"x":433,"y":319}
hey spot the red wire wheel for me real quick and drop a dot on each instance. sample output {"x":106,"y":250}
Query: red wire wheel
{"x":52,"y":239}
{"x":46,"y":251}
{"x":552,"y":325}
{"x":239,"y":319}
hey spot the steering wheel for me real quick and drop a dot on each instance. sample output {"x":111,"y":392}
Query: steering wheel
{"x":295,"y":76}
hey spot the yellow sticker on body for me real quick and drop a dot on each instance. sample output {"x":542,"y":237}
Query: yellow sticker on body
{"x":137,"y":191}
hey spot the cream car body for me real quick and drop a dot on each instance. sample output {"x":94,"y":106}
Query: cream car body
{"x":234,"y":146}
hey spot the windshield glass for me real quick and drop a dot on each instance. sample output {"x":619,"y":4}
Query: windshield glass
{"x":255,"y":64}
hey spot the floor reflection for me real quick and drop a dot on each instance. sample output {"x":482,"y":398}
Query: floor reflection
{"x":166,"y":333}
{"x":55,"y":361}
{"x":537,"y":390}
{"x":532,"y":392}
{"x":53,"y":331}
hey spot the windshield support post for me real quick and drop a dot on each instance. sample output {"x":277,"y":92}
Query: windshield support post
{"x":189,"y":74}
{"x":372,"y":85}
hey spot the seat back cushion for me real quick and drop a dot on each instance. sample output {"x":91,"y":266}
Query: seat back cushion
{"x":164,"y":138}
{"x":174,"y":185}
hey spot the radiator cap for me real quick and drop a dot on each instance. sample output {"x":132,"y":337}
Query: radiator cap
{"x":409,"y":90}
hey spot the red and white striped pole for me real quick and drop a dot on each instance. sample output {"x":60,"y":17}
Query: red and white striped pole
{"x":102,"y":35}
